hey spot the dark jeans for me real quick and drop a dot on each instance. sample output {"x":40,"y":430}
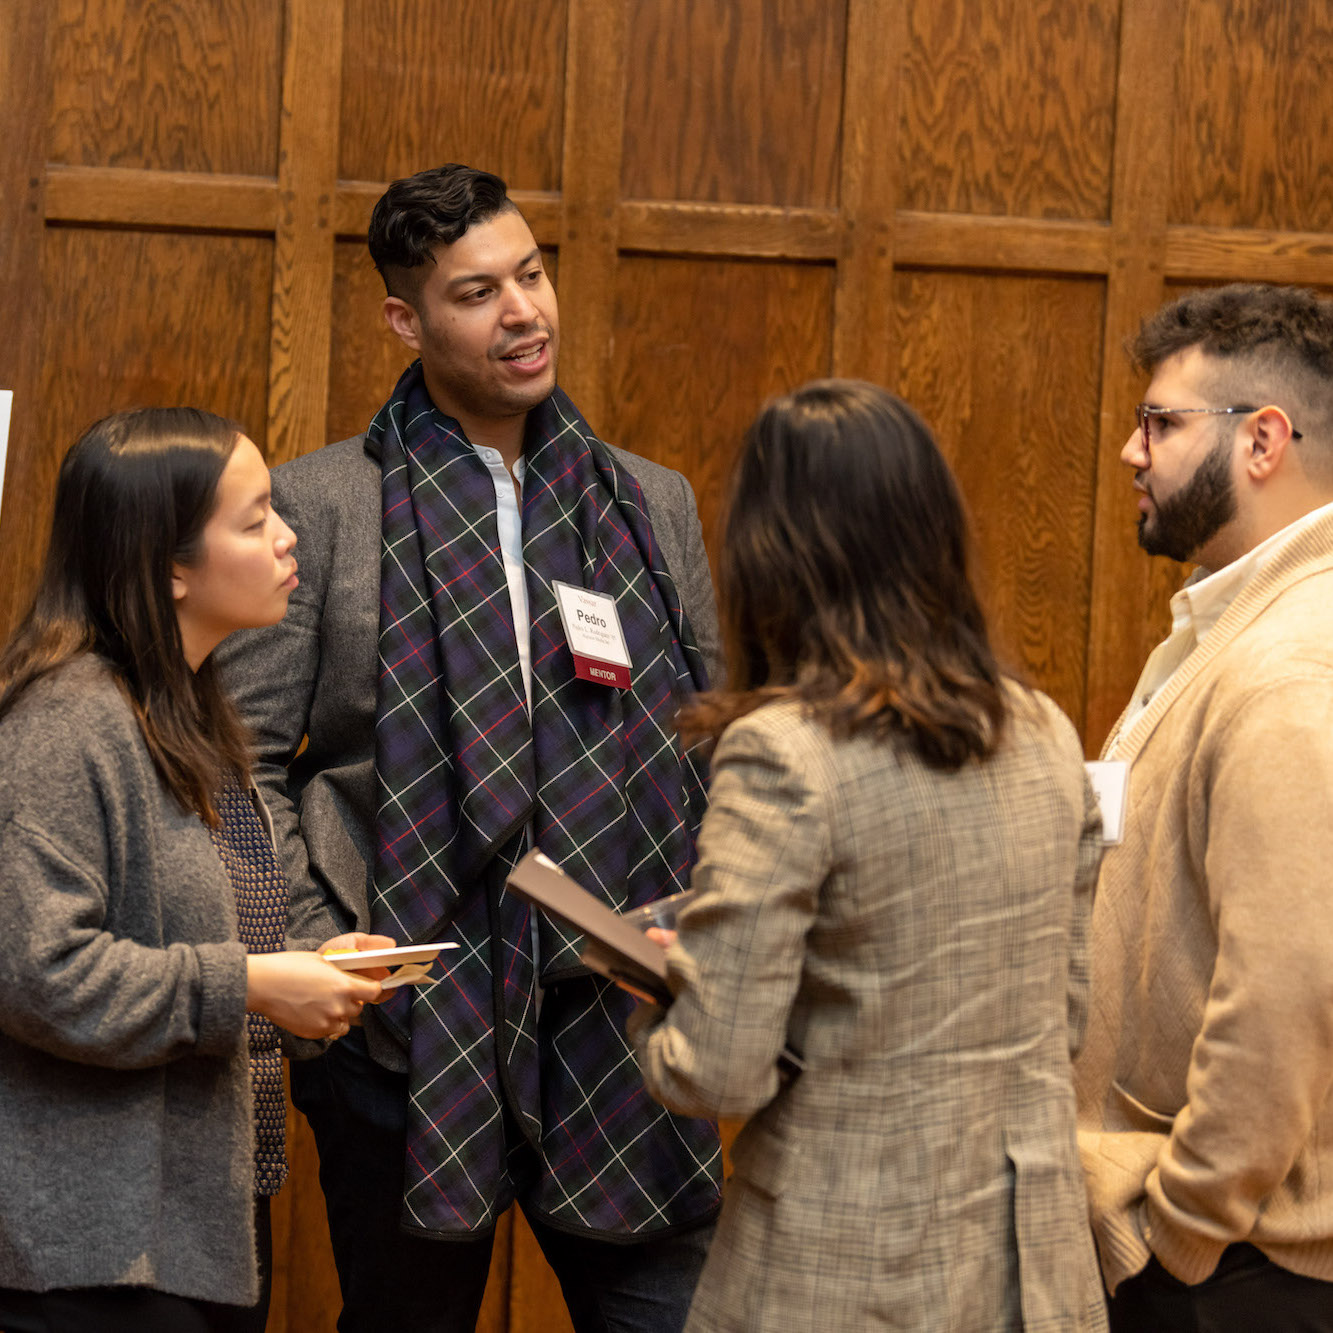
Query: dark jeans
{"x":139,"y":1309}
{"x":1247,"y":1293}
{"x":390,"y":1277}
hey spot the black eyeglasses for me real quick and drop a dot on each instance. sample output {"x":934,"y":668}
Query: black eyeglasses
{"x":1145,"y":414}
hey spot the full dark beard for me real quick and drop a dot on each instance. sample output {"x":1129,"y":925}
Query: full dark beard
{"x":1196,"y":513}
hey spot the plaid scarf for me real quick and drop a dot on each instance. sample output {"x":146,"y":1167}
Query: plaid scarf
{"x":462,"y":771}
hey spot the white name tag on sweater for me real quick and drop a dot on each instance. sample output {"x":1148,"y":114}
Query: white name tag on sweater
{"x":1110,"y":783}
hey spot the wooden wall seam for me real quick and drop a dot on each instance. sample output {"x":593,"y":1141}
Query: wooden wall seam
{"x":594,"y":132}
{"x":1119,"y":602}
{"x":298,"y":384}
{"x":172,"y":200}
{"x":867,"y":193}
{"x":135,"y":197}
{"x":1248,"y":254}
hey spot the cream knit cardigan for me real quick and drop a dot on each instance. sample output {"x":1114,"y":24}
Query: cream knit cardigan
{"x":1205,"y":1114}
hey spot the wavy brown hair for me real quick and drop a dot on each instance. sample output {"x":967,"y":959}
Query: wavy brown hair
{"x":132,"y":499}
{"x":843,"y":580}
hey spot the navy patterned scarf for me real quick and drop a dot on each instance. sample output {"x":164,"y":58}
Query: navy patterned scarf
{"x":246,"y":851}
{"x":462,"y":771}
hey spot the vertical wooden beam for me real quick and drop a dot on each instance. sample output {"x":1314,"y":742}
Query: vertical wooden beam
{"x":305,"y":1291}
{"x":863,"y":295}
{"x":25,"y":91}
{"x":298,"y":379}
{"x":590,"y":188}
{"x":1125,"y":585}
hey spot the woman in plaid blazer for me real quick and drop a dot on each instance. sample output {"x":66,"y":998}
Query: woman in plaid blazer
{"x":894,"y":880}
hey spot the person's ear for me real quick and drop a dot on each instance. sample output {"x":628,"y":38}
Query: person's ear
{"x":179,"y":586}
{"x":402,"y":319}
{"x":1269,"y":435}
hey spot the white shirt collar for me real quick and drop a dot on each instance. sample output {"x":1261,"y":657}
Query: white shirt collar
{"x":1205,"y":596}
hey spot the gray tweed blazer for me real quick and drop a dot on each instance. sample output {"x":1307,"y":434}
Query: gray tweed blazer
{"x":920,"y":937}
{"x":312,"y":677}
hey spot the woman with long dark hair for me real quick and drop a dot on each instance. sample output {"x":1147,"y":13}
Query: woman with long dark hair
{"x":140,"y":1080}
{"x":893,"y":880}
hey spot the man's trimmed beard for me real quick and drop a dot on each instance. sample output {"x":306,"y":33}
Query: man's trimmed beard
{"x":1197,"y":512}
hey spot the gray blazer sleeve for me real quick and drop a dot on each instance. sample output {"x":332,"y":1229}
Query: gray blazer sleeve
{"x":694,"y":582}
{"x":675,"y":518}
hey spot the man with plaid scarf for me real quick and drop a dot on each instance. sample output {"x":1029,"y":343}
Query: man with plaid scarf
{"x":448,"y":727}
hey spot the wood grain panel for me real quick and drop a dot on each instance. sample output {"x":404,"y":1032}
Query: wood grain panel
{"x":961,"y":240}
{"x":142,"y":319}
{"x":133,"y":196}
{"x":1253,"y":136}
{"x":1245,"y":255}
{"x":495,"y":1314}
{"x":145,"y":319}
{"x":305,"y":1281}
{"x":30,"y":468}
{"x":167,"y":84}
{"x":453,"y":81}
{"x":536,"y":1303}
{"x":1005,"y":371}
{"x":735,"y":102}
{"x":1006,"y":107}
{"x":757,"y":231}
{"x":699,"y":345}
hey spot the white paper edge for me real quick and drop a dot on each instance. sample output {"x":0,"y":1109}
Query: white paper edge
{"x":1110,"y":784}
{"x":6,"y":411}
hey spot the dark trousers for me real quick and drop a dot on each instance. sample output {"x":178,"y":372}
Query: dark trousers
{"x":139,"y":1309}
{"x":1247,"y":1293}
{"x":393,"y":1278}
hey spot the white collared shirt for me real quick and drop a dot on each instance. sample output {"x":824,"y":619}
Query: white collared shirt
{"x":509,"y":522}
{"x":1200,"y":604}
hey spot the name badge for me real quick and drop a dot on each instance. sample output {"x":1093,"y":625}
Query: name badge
{"x":592,"y":630}
{"x":1110,"y":783}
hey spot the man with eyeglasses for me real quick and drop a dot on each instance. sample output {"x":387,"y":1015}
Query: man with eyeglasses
{"x":1204,"y":1086}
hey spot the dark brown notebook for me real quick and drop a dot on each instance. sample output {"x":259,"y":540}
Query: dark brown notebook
{"x":611,"y":947}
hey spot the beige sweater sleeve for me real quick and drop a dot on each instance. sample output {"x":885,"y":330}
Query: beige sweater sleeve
{"x":1261,"y":793}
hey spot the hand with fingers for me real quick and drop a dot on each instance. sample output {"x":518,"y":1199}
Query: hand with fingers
{"x":299,"y":991}
{"x":660,"y":936}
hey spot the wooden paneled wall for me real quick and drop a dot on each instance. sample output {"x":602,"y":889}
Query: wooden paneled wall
{"x":971,"y":201}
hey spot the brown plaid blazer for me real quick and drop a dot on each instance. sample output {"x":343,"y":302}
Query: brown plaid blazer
{"x":920,"y":937}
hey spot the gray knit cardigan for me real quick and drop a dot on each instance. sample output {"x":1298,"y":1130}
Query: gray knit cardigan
{"x":126,"y":1144}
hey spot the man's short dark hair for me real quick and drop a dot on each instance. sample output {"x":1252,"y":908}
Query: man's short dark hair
{"x":417,"y":214}
{"x":1268,"y":343}
{"x":1293,"y":325}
